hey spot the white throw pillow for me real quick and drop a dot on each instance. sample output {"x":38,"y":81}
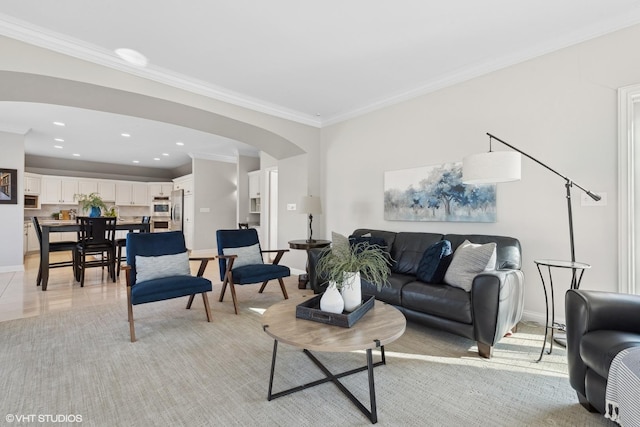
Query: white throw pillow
{"x":247,"y":255}
{"x":468,"y":261}
{"x":157,"y":267}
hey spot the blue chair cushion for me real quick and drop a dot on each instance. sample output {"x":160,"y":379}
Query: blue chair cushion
{"x":258,"y":273}
{"x":167,"y":288}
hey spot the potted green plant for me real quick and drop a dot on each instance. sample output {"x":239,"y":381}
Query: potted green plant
{"x":91,"y":202}
{"x":344,"y":264}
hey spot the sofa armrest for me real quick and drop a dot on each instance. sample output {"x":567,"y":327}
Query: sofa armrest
{"x":497,"y":299}
{"x":316,"y":283}
{"x":587,"y":311}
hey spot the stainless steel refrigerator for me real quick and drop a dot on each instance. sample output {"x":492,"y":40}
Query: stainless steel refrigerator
{"x":177,"y":209}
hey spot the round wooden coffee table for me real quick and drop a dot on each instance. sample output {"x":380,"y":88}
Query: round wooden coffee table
{"x":381,"y":325}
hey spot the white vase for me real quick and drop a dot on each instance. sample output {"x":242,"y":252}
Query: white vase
{"x":331,"y":300}
{"x":352,"y":291}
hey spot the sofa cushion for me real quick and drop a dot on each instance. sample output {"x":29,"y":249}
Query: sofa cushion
{"x":391,"y":293}
{"x":408,"y":248}
{"x":599,"y":348}
{"x":468,"y":261}
{"x":434,"y":262}
{"x":508,"y":251}
{"x":438,"y":300}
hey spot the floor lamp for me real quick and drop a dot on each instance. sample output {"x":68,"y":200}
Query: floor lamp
{"x":504,"y":166}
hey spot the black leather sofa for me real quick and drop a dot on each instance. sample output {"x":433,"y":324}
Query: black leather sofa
{"x":492,"y":308}
{"x":599,"y":326}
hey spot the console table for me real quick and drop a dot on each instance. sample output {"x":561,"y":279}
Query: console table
{"x":303,"y":279}
{"x":577,"y":270}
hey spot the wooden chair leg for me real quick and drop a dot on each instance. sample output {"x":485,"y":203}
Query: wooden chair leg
{"x":39,"y":279}
{"x":233,"y":297}
{"x":264,"y":284}
{"x":190,"y":301}
{"x":132,"y":330}
{"x":223,"y":290}
{"x":207,"y":309}
{"x":119,"y":266}
{"x":284,"y":290}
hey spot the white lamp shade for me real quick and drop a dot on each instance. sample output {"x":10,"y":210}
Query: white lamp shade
{"x":310,"y":205}
{"x":492,"y":167}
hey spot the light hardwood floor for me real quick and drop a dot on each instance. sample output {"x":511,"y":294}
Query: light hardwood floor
{"x":21,"y":298}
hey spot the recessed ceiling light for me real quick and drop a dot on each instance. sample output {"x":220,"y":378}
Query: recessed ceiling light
{"x":58,"y":123}
{"x":156,"y":158}
{"x":58,"y":146}
{"x":126,"y":135}
{"x":165,"y":154}
{"x":58,"y":139}
{"x":179,"y":143}
{"x":132,"y":57}
{"x":136,"y":161}
{"x":76,"y":155}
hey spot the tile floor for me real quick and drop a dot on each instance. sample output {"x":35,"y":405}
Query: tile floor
{"x":20,"y":297}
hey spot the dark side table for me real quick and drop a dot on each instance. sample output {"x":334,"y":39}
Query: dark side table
{"x":577,"y":270}
{"x":303,"y":279}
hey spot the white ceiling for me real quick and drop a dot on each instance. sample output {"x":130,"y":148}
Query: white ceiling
{"x":317,"y":63}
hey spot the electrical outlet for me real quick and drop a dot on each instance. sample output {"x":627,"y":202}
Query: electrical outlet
{"x":585,"y":200}
{"x":291,"y":206}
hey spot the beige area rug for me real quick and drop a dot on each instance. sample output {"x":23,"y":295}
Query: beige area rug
{"x":185,"y":371}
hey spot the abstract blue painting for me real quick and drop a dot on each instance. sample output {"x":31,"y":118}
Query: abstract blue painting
{"x":437,"y":193}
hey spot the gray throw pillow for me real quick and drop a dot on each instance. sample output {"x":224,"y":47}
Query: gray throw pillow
{"x":468,"y":261}
{"x":247,"y":255}
{"x":157,"y":267}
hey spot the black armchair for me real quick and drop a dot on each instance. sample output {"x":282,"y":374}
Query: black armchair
{"x":599,"y":326}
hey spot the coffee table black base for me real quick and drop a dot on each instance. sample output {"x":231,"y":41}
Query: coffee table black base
{"x":371,"y":414}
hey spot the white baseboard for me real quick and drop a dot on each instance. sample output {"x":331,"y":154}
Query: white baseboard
{"x":537,"y":317}
{"x":11,"y":268}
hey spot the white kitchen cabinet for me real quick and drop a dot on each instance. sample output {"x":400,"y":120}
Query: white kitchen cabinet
{"x":160,"y":189}
{"x":87,"y":186}
{"x":107,"y":190}
{"x":254,"y":184}
{"x":254,"y":192}
{"x":187,"y":220}
{"x":184,"y":183}
{"x":59,"y":190}
{"x":32,"y":183}
{"x":33,"y":243}
{"x":25,"y":239}
{"x":131,"y":193}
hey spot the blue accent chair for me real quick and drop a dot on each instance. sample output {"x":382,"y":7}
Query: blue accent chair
{"x":163,"y":288}
{"x":255,"y":272}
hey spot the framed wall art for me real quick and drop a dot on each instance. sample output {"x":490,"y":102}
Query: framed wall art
{"x":8,"y":186}
{"x":437,"y":193}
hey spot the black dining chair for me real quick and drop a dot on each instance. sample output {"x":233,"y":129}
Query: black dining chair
{"x":54,"y":247}
{"x":97,"y":240}
{"x":122,"y":243}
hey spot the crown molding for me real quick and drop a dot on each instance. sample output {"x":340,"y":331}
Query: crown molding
{"x":37,"y":36}
{"x":465,"y":74}
{"x":216,"y":157}
{"x":14,"y":129}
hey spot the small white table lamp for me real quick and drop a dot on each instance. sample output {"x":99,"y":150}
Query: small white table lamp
{"x":310,"y":205}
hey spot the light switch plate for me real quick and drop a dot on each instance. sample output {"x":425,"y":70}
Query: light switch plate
{"x":205,"y":210}
{"x":585,"y":200}
{"x":291,"y":206}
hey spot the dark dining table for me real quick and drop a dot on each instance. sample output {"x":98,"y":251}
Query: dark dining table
{"x":48,"y":228}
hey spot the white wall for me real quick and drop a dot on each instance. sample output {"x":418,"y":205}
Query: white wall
{"x":561,"y":108}
{"x":215,"y":199}
{"x":11,"y":231}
